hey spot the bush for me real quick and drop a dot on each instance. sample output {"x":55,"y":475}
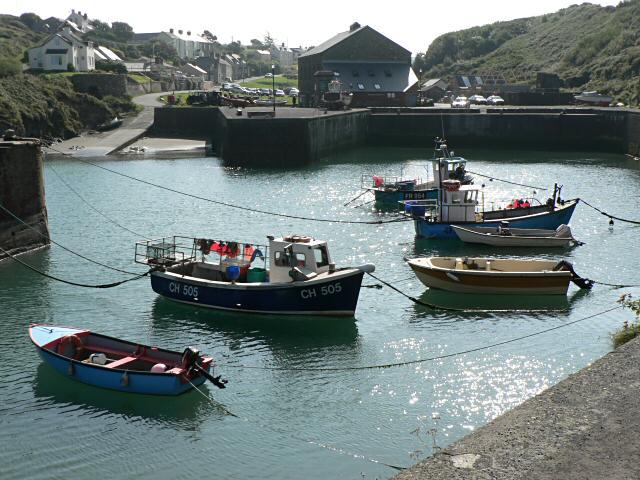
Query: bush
{"x":9,"y":67}
{"x":111,"y":67}
{"x":628,"y":331}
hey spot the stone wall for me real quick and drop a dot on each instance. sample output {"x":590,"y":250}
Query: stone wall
{"x":633,"y":133}
{"x":101,"y":84}
{"x":22,"y":193}
{"x":178,"y":120}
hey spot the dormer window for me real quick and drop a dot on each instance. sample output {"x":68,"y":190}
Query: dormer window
{"x":377,"y":86}
{"x":361,"y":86}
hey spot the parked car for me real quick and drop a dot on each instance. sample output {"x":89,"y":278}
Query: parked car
{"x":294,"y":92}
{"x":460,"y":102}
{"x":268,"y":75}
{"x":495,"y":100}
{"x":279,"y":93}
{"x":477,"y":100}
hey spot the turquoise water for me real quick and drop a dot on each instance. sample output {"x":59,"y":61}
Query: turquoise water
{"x":294,"y":423}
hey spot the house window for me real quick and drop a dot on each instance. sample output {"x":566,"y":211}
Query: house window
{"x":361,"y":86}
{"x":59,"y":60}
{"x":376,"y":86}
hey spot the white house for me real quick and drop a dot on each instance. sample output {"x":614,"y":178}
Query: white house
{"x":81,"y":20}
{"x":187,"y":44}
{"x":61,"y":50}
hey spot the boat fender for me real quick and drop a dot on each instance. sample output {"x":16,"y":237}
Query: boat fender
{"x":71,"y":346}
{"x":367,"y":268}
{"x":453,"y":277}
{"x":159,"y":368}
{"x":124,"y":381}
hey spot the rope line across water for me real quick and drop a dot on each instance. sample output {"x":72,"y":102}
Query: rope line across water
{"x":506,"y":181}
{"x":340,"y":451}
{"x":69,"y":282}
{"x":104,"y":215}
{"x":239,"y":207}
{"x":9,"y":212}
{"x":635,"y":222}
{"x":428,"y":359}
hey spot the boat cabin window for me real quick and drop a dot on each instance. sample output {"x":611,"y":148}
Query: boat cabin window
{"x":470,"y":197}
{"x":301,"y":260}
{"x":281,"y":259}
{"x":321,"y":256}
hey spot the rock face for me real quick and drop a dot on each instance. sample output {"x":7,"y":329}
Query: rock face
{"x":22,"y":194}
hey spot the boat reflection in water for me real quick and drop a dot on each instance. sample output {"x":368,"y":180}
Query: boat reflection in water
{"x":276,"y":332}
{"x":183,"y":412}
{"x":475,"y":303}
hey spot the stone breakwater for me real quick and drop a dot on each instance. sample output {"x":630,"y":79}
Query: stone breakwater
{"x":22,"y":193}
{"x":302,"y":136}
{"x":585,"y":427}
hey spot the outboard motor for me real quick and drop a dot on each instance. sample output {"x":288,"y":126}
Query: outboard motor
{"x":583,"y":283}
{"x":190,"y":358}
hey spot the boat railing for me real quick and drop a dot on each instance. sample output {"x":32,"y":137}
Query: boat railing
{"x":378,"y":181}
{"x":425,"y":208}
{"x":165,"y":251}
{"x":232,"y":251}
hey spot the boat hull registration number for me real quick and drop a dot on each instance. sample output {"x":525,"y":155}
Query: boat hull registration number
{"x":324,"y":290}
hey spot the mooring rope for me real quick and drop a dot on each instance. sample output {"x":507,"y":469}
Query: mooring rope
{"x":491,"y":178}
{"x":611,"y":217}
{"x":428,"y":359}
{"x":239,"y":207}
{"x":104,"y":215}
{"x":68,"y":282}
{"x":340,"y":451}
{"x":62,"y":246}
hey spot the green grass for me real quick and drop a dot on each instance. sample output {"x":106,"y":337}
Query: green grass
{"x":629,"y":331}
{"x":136,"y":77}
{"x":281,"y":83}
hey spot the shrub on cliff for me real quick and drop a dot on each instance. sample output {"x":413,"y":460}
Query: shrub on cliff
{"x":9,"y":67}
{"x":48,"y":106}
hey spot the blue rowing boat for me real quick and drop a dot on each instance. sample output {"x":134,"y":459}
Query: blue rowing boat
{"x":292,"y":275}
{"x":459,"y":206}
{"x":115,"y":364}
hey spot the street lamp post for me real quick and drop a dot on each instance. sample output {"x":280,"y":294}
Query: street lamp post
{"x":273,"y":80}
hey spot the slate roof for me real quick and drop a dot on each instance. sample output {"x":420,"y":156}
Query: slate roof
{"x":331,"y":42}
{"x":390,"y":76}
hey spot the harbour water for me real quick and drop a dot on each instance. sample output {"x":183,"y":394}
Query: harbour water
{"x":293,"y":422}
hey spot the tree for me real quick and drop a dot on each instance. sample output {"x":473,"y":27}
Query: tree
{"x":256,"y":44}
{"x":122,"y":31}
{"x":101,"y":26}
{"x":209,"y":36}
{"x":33,"y":21}
{"x":233,"y":47}
{"x":268,"y":41}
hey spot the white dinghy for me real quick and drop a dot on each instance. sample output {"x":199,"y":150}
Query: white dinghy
{"x":503,"y":236}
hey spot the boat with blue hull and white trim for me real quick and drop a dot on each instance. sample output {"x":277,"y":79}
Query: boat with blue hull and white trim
{"x":389,"y":190}
{"x":292,"y":275}
{"x":116,"y":364}
{"x":458,"y":205}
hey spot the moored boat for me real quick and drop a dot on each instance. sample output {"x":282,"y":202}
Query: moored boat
{"x":505,"y":236}
{"x":496,"y":276}
{"x":458,"y":205}
{"x":389,"y":190}
{"x":116,"y":364}
{"x":594,"y":98}
{"x":292,"y":275}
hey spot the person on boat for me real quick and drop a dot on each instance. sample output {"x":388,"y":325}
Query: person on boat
{"x":526,"y":204}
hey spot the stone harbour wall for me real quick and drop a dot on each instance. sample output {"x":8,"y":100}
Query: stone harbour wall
{"x":22,"y":193}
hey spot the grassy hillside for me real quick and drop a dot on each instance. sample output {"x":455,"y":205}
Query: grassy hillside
{"x":591,"y":47}
{"x":15,"y":37}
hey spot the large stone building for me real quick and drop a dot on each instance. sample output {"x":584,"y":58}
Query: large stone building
{"x":375,"y":69}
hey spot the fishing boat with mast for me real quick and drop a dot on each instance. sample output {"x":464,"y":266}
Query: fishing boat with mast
{"x":458,"y":205}
{"x":292,"y":275}
{"x":445,"y":165}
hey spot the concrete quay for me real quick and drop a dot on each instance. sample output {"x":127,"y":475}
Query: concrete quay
{"x":585,"y":427}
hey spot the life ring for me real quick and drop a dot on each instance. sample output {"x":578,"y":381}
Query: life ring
{"x":74,"y":342}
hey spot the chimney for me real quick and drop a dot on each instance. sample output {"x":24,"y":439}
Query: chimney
{"x":85,"y":16}
{"x":79,"y":12}
{"x":354,"y":26}
{"x":180,"y":32}
{"x":188,"y":32}
{"x":73,"y":11}
{"x":171,"y":30}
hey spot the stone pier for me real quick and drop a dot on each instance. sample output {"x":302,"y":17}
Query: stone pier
{"x":585,"y":427}
{"x":22,"y":193}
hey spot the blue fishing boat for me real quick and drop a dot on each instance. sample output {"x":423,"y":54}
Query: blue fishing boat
{"x":389,"y":190}
{"x":458,"y":205}
{"x":291,"y":275}
{"x":116,"y":364}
